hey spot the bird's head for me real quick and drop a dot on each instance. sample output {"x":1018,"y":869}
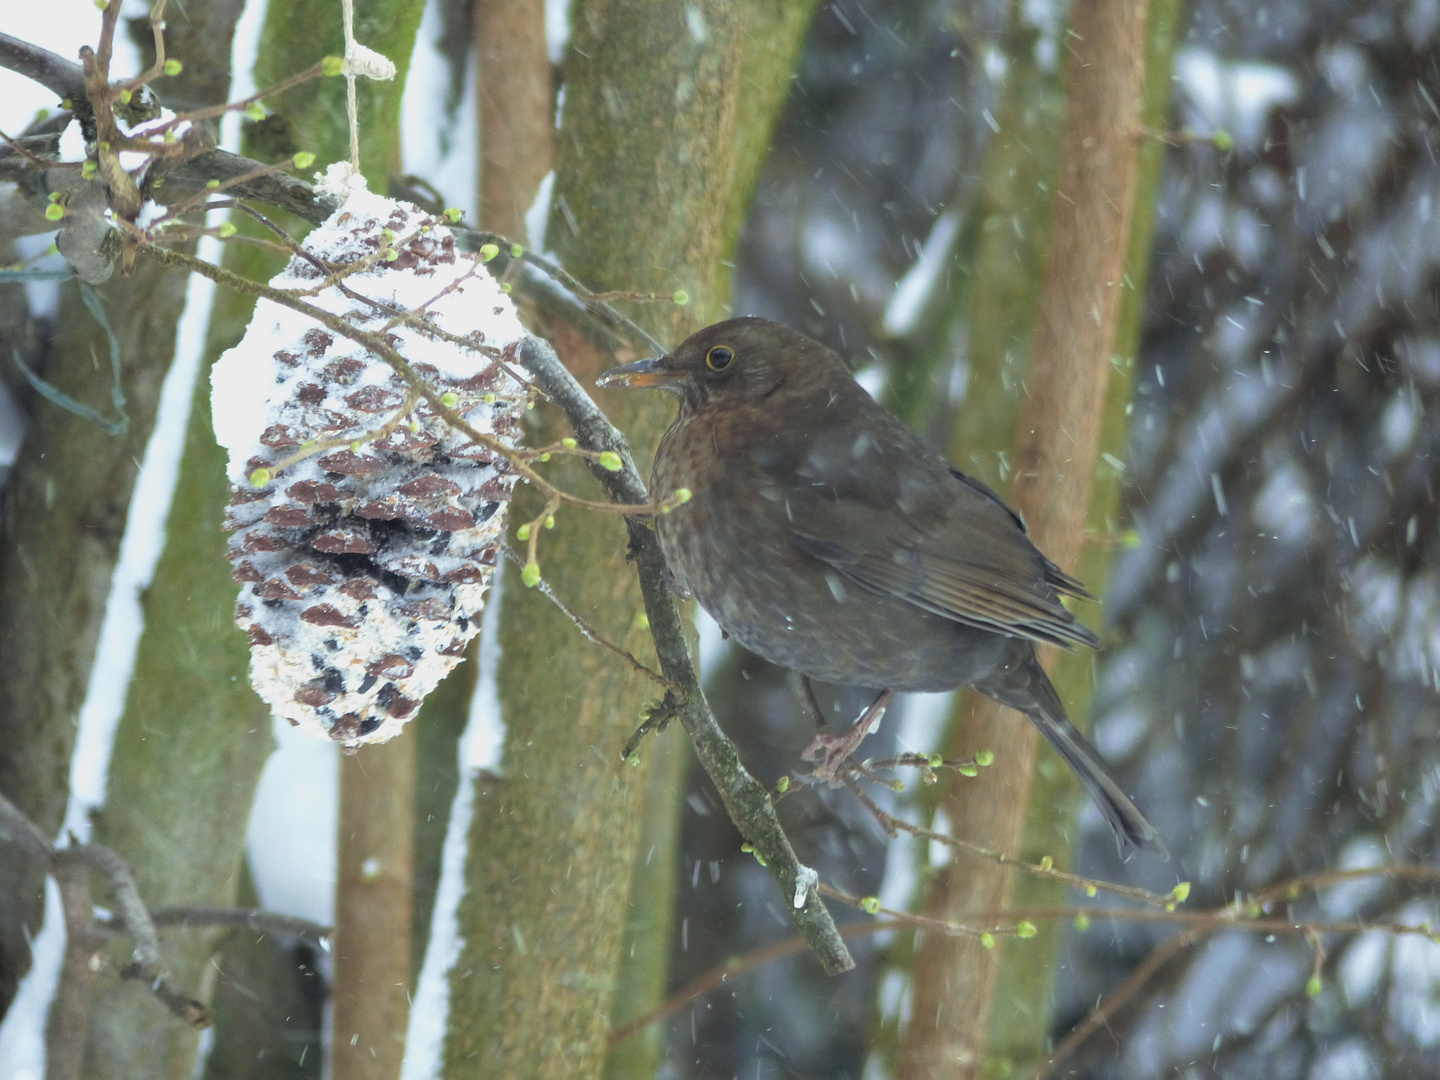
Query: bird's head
{"x":738,"y":360}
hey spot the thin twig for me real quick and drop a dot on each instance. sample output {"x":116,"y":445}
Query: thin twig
{"x":1007,"y":923}
{"x":890,"y":823}
{"x":702,"y":984}
{"x":157,"y":35}
{"x":588,"y":631}
{"x":309,"y":74}
{"x":16,"y":826}
{"x":20,"y":147}
{"x":1291,"y":889}
{"x":256,"y":919}
{"x":573,"y":289}
{"x":1101,"y":1015}
{"x":144,"y":962}
{"x":386,"y":352}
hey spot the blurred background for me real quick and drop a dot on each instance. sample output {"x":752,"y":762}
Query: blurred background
{"x":1263,"y":542}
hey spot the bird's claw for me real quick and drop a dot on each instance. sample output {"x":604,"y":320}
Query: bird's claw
{"x":831,"y":751}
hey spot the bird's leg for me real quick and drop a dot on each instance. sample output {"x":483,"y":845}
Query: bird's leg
{"x":814,"y":704}
{"x":831,"y":750}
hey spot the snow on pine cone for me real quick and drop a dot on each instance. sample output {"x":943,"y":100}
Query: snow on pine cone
{"x":364,"y":558}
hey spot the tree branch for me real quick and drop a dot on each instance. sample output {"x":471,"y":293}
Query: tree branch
{"x":746,"y":799}
{"x":144,"y":962}
{"x":52,"y":71}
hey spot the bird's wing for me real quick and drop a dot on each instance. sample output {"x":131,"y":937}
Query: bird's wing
{"x":908,"y":525}
{"x":979,"y":594}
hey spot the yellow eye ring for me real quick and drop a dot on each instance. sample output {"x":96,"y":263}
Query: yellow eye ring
{"x":719,"y":357}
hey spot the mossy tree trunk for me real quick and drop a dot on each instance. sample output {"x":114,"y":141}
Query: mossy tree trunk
{"x":667,"y":110}
{"x":66,"y":505}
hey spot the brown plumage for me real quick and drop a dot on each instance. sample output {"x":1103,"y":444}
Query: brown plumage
{"x":824,"y":536}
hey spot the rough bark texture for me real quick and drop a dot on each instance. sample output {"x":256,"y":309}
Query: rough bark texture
{"x":187,"y":756}
{"x":438,"y":729}
{"x":646,"y":170}
{"x":645,"y":949}
{"x":1055,"y":451}
{"x":65,"y":510}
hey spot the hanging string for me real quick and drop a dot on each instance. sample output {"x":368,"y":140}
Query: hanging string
{"x":359,"y":60}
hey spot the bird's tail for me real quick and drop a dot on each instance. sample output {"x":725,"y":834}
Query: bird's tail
{"x":1026,"y":688}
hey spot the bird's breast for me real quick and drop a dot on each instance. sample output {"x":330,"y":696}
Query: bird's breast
{"x":707,"y":449}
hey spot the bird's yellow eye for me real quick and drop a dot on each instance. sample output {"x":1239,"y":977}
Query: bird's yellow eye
{"x":719,"y":357}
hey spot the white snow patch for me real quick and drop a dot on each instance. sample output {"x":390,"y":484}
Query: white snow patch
{"x":1285,"y":506}
{"x":133,"y":160}
{"x":538,"y":216}
{"x":939,"y":853}
{"x":712,"y":640}
{"x":1415,"y":991}
{"x":806,"y":880}
{"x":1361,"y":966}
{"x":1234,"y":96}
{"x":557,"y":28}
{"x":1346,"y":900}
{"x":22,"y":1035}
{"x":290,"y":840}
{"x":436,"y":144}
{"x":484,"y":737}
{"x":1400,"y":423}
{"x":248,"y":382}
{"x":1121,"y":732}
{"x":1348,"y":1060}
{"x":12,"y":429}
{"x":923,"y":278}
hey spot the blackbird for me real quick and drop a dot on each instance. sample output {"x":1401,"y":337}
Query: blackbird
{"x":824,"y":536}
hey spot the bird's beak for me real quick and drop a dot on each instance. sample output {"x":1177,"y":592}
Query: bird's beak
{"x":655,"y":372}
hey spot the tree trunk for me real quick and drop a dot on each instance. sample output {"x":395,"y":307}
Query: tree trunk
{"x":66,"y":505}
{"x":1028,"y":969}
{"x":516,"y":111}
{"x":649,"y":157}
{"x":373,"y":895}
{"x":1055,"y":451}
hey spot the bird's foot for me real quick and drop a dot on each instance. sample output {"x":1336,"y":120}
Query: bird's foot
{"x":831,"y":751}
